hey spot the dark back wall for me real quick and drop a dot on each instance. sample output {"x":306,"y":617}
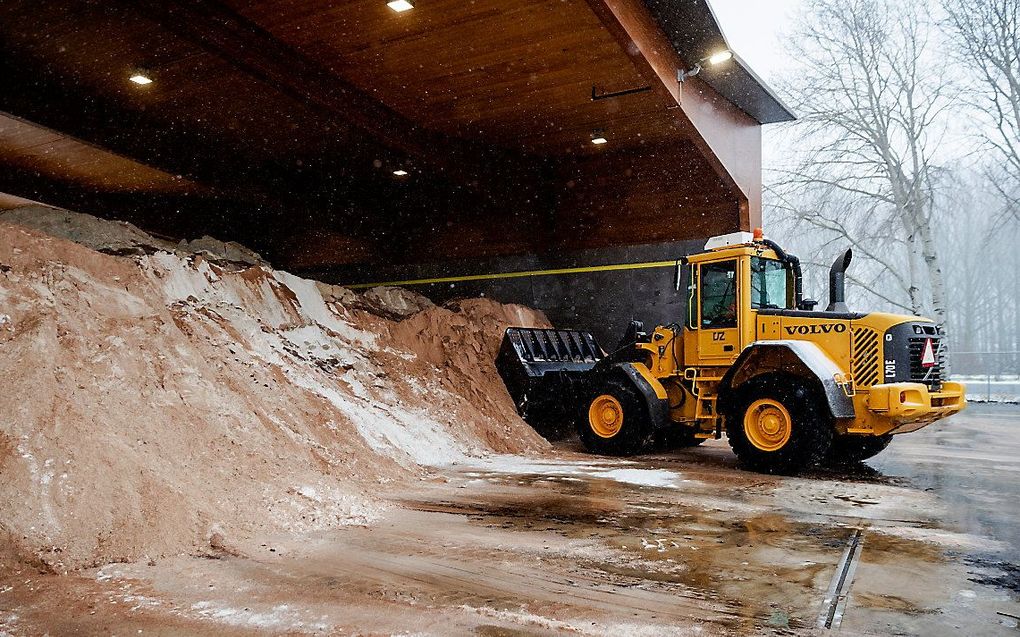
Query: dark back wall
{"x":601,"y":302}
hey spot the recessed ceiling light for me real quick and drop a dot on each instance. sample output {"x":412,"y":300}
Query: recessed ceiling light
{"x":400,"y":6}
{"x":400,"y":172}
{"x":141,"y":79}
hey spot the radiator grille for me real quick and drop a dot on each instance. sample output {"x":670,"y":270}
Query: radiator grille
{"x":930,"y":376}
{"x":865,"y":354}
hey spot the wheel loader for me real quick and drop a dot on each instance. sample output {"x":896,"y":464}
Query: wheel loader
{"x":790,"y":386}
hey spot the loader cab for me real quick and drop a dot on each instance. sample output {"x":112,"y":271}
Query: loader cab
{"x":727,"y":285}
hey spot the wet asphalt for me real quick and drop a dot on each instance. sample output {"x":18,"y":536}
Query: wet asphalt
{"x":972,"y":463}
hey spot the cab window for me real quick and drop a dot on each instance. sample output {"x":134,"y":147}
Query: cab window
{"x":769,"y":284}
{"x":719,"y":294}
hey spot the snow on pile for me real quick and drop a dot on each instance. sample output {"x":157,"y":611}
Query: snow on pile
{"x":149,"y":399}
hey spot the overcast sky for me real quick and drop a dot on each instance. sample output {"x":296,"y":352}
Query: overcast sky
{"x":754,"y":28}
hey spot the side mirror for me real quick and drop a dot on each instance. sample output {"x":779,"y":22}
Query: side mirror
{"x":678,"y":273}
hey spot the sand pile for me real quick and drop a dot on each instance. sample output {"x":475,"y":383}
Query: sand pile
{"x":122,"y":238}
{"x":154,"y":402}
{"x":395,"y":303}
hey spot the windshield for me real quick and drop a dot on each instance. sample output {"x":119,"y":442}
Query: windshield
{"x":768,"y":284}
{"x":719,"y":295}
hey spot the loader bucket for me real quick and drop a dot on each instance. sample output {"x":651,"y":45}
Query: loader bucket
{"x":543,"y":369}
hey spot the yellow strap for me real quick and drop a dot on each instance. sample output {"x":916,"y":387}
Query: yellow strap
{"x":517,"y":275}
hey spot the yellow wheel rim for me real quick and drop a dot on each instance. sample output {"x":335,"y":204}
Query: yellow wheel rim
{"x":768,"y":424}
{"x":605,"y":415}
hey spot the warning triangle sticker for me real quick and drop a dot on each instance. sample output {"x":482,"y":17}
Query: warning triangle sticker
{"x":928,"y":355}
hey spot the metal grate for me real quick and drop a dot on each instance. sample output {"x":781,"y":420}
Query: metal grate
{"x":865,"y":357}
{"x":930,"y":376}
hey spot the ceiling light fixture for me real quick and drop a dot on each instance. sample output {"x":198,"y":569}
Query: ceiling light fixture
{"x":141,"y":78}
{"x":712,"y":60}
{"x":400,"y":6}
{"x":598,"y":138}
{"x":400,"y":172}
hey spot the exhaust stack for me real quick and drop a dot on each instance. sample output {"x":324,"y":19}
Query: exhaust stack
{"x":837,"y":283}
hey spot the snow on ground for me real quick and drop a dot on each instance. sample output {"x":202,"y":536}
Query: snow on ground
{"x":617,"y":471}
{"x":276,"y":618}
{"x":524,"y":617}
{"x":991,"y":389}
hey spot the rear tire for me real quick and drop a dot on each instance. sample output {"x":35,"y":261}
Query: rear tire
{"x":614,"y":420}
{"x":850,"y":449}
{"x":778,"y":424}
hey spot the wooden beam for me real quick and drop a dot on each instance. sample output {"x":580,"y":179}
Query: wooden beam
{"x":727,"y":137}
{"x":31,"y":91}
{"x":65,"y":158}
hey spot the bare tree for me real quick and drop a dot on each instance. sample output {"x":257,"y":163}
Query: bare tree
{"x":819,"y":221}
{"x":872,"y":108}
{"x":987,"y":38}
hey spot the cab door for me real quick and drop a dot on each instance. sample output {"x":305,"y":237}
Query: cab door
{"x":718,"y":312}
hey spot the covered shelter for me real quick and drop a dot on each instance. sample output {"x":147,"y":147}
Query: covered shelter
{"x":351,"y":142}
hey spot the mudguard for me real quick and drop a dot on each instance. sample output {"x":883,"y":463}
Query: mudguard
{"x":651,"y":389}
{"x":798,"y":357}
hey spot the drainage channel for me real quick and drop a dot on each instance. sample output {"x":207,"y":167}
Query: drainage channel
{"x":835,"y":600}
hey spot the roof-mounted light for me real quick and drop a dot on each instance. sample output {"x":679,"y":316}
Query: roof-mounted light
{"x":720,"y":57}
{"x":712,"y":60}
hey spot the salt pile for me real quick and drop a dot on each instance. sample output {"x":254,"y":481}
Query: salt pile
{"x":155,"y":400}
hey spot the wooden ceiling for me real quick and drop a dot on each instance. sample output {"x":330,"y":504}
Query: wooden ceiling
{"x":287,"y":118}
{"x":94,"y":47}
{"x":515,"y":74}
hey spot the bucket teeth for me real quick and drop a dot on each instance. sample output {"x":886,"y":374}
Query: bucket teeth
{"x":538,"y":365}
{"x":535,"y":345}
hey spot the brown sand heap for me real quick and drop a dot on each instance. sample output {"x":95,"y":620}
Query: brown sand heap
{"x":122,"y":238}
{"x":396,"y":303}
{"x":153,"y":402}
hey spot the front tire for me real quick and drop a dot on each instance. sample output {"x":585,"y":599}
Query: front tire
{"x":614,"y":421}
{"x":849,"y":449}
{"x":778,"y":424}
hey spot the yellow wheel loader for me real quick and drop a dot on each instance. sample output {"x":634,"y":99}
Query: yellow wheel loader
{"x":790,"y":386}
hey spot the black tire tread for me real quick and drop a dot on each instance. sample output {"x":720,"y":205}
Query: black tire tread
{"x":812,"y":426}
{"x":636,"y":432}
{"x":850,"y":449}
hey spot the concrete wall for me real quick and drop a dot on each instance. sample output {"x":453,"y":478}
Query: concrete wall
{"x":601,"y":302}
